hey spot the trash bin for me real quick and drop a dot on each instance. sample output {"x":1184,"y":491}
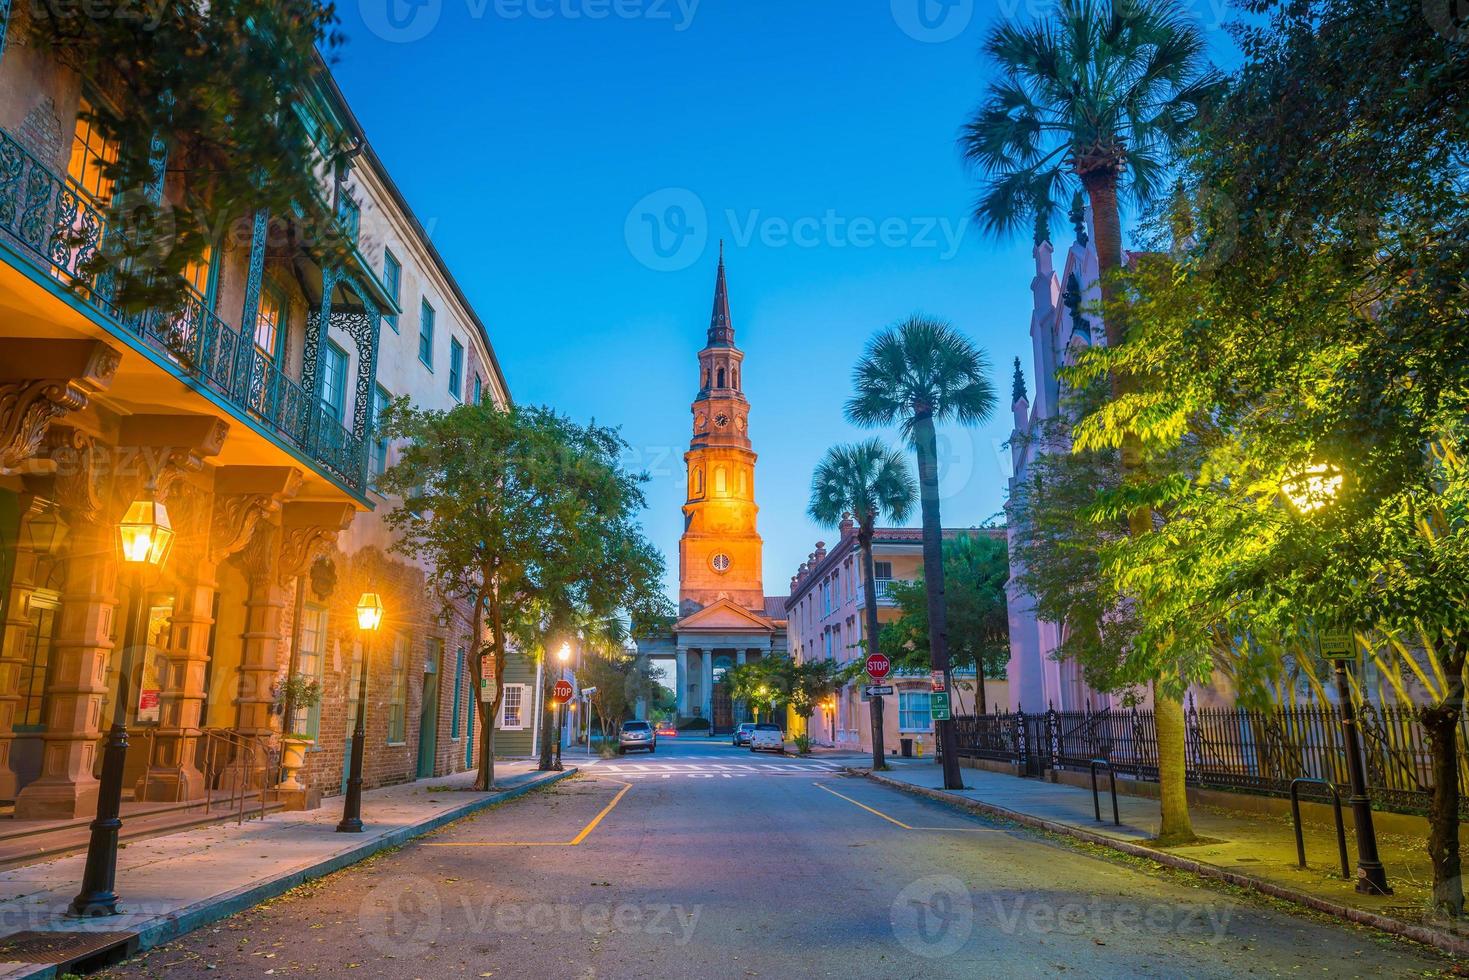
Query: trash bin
{"x":907,"y":744}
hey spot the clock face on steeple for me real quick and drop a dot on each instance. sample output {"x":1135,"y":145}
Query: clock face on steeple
{"x":721,"y":420}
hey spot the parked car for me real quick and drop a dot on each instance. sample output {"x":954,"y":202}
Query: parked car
{"x":768,"y":737}
{"x":636,"y":735}
{"x":742,"y":733}
{"x":666,"y":730}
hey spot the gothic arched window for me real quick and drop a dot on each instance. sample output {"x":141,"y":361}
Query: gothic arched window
{"x":706,"y":377}
{"x":721,"y":377}
{"x":735,"y":379}
{"x":721,"y":485}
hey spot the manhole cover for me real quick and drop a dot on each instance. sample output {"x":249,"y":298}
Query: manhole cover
{"x":59,"y":947}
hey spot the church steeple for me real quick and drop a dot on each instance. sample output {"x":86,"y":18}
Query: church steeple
{"x":721,"y":327}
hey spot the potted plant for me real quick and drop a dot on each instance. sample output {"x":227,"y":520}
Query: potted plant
{"x":295,"y":692}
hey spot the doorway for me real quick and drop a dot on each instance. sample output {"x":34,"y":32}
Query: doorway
{"x":428,"y":718}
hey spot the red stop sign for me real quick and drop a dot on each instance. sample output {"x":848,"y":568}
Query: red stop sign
{"x":878,"y":666}
{"x":562,"y":691}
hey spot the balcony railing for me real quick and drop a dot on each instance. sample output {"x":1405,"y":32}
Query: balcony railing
{"x":883,"y":588}
{"x":60,"y":230}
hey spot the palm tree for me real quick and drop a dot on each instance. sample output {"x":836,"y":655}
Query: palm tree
{"x":915,"y":374}
{"x":866,"y":480}
{"x":1102,"y":93}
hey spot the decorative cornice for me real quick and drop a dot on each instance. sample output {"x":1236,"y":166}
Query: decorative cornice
{"x":236,"y":517}
{"x":28,"y":406}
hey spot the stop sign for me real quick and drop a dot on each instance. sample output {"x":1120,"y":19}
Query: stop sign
{"x":878,"y":666}
{"x":562,"y":691}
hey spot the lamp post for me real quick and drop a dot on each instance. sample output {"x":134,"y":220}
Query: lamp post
{"x":1309,"y":490}
{"x":564,"y":656}
{"x":144,"y":537}
{"x":369,"y":618}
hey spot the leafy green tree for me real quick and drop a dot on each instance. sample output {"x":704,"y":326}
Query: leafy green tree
{"x":976,"y":569}
{"x":916,"y":374}
{"x":223,"y":93}
{"x":621,"y":680}
{"x":1307,"y":331}
{"x":492,"y":502}
{"x":1101,"y":93}
{"x":866,"y":480}
{"x":762,"y":684}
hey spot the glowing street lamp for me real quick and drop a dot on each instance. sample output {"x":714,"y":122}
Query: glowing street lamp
{"x":1310,"y":489}
{"x":369,"y":619}
{"x":144,"y":537}
{"x":564,"y":656}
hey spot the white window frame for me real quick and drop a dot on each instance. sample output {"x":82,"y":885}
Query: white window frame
{"x":520,"y":703}
{"x":929,"y":706}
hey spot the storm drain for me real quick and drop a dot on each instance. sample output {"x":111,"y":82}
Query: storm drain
{"x":67,"y":949}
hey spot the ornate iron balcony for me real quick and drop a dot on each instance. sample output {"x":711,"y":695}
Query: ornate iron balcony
{"x":60,"y":230}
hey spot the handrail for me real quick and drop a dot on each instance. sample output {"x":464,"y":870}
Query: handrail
{"x":1096,"y":798}
{"x":1295,"y":815}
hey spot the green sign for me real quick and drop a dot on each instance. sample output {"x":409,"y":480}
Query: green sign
{"x":938,"y":705}
{"x":1338,"y":644}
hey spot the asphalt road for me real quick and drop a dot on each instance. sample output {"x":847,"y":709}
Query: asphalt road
{"x":704,"y":861}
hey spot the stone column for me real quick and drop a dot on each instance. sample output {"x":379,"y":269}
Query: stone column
{"x":260,"y":653}
{"x":706,"y":684}
{"x":681,"y":681}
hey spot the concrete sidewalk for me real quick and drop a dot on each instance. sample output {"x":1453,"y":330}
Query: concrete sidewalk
{"x":170,"y":885}
{"x":1248,"y":849}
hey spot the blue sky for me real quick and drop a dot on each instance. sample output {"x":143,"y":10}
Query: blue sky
{"x":577,"y":161}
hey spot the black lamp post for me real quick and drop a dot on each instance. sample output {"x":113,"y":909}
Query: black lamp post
{"x":144,"y":538}
{"x":1309,"y":490}
{"x":564,"y":656}
{"x":369,"y":618}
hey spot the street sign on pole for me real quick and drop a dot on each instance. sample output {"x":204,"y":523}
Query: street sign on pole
{"x":938,"y":705}
{"x":563,"y":691}
{"x":877,"y":690}
{"x":937,"y":677}
{"x":1338,"y":644}
{"x":878,"y":666}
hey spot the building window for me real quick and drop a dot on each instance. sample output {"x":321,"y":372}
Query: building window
{"x":456,"y":368}
{"x":478,"y":390}
{"x":913,"y":711}
{"x":309,"y":662}
{"x":398,"y":689}
{"x":827,"y":637}
{"x":882,"y":569}
{"x":30,"y":713}
{"x":334,"y":381}
{"x":721,"y":378}
{"x":381,"y":397}
{"x":426,"y":335}
{"x":458,"y":693}
{"x":349,"y":214}
{"x":91,"y":154}
{"x":199,"y":274}
{"x":270,"y":323}
{"x":512,"y":708}
{"x":392,"y":283}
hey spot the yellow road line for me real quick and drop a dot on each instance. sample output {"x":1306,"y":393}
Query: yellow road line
{"x":544,"y":843}
{"x":598,"y":818}
{"x":865,"y":807}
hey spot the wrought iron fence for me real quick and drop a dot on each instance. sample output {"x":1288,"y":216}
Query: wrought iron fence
{"x":1240,"y":749}
{"x":62,"y":231}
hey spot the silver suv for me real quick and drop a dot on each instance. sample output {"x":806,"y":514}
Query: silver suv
{"x":636,"y":735}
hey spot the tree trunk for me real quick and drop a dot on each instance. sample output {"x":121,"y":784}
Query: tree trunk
{"x":869,"y":590}
{"x":1441,"y":725}
{"x":1177,"y":827}
{"x":980,"y":698}
{"x":547,"y":707}
{"x":925,"y":441}
{"x":1101,"y":191}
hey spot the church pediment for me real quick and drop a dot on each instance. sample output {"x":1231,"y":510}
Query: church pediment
{"x":724,"y":614}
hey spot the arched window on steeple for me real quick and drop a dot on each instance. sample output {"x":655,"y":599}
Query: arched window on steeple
{"x":735,"y":379}
{"x":721,"y":487}
{"x":721,"y":377}
{"x":706,"y":377}
{"x":698,"y":481}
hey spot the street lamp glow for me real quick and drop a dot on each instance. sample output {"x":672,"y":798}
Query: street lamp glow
{"x":1312,"y":487}
{"x":564,"y":654}
{"x":145,"y":534}
{"x":369,"y":612}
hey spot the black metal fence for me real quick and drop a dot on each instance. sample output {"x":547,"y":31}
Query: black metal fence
{"x":1241,"y":749}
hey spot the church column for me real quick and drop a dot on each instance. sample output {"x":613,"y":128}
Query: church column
{"x":681,"y":679}
{"x":706,"y":684}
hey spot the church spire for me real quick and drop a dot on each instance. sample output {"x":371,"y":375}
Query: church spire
{"x":721,"y":327}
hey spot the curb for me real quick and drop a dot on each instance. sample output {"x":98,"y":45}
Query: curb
{"x":1426,"y":935}
{"x":217,"y":907}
